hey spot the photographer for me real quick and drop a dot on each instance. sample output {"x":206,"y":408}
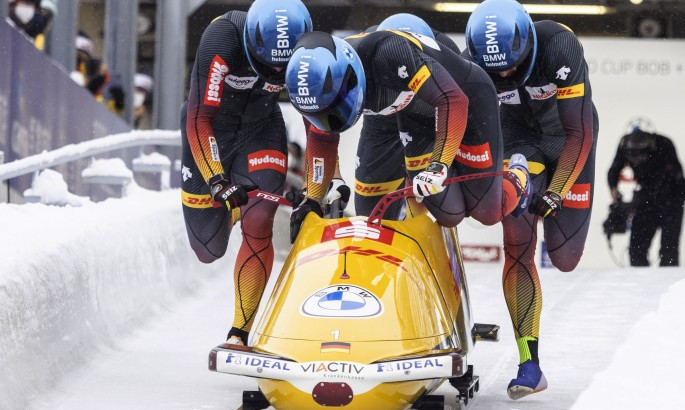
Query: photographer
{"x":658,"y":202}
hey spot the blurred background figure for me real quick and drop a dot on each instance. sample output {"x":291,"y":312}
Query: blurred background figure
{"x":142,"y":84}
{"x":93,"y":74}
{"x":33,"y":18}
{"x":659,"y":197}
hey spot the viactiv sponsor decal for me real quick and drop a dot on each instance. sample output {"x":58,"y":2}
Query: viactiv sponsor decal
{"x":342,"y":301}
{"x":509,"y":97}
{"x":475,"y":156}
{"x":215,"y":82}
{"x":318,"y":168}
{"x":357,"y":229}
{"x":542,"y":92}
{"x":578,"y":197}
{"x":241,"y":83}
{"x":481,"y":253}
{"x":214,"y":149}
{"x":266,"y":159}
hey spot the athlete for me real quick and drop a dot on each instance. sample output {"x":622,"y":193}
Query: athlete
{"x":548,"y":115}
{"x":234,"y":140}
{"x":330,"y":84}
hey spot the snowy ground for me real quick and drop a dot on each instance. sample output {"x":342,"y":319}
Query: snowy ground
{"x":592,"y":350}
{"x":609,"y":338}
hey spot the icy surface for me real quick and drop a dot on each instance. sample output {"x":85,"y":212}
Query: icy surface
{"x":51,"y":188}
{"x":153,"y":158}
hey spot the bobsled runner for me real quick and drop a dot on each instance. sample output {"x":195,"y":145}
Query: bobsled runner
{"x":366,"y":313}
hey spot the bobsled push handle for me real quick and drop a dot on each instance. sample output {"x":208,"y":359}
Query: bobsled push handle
{"x":389,"y":198}
{"x":268,"y":196}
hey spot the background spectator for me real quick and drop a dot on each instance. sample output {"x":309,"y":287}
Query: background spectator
{"x":658,"y":201}
{"x":28,"y":16}
{"x":141,"y":96}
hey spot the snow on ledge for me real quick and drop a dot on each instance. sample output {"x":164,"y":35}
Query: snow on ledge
{"x":75,"y":279}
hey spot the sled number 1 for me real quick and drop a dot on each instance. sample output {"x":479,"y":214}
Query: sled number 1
{"x":336,"y":334}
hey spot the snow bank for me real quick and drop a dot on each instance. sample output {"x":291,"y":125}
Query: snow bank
{"x":647,"y":371}
{"x":75,"y":279}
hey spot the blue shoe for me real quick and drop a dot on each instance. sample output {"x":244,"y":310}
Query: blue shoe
{"x":529,"y":380}
{"x":518,"y":161}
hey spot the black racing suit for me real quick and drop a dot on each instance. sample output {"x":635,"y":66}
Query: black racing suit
{"x":659,"y":201}
{"x":424,"y":85}
{"x":552,"y":121}
{"x":232,"y":124}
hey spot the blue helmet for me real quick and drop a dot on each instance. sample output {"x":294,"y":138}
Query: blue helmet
{"x":326,"y":82}
{"x":407,"y":22}
{"x":500,"y":35}
{"x":272,"y":29}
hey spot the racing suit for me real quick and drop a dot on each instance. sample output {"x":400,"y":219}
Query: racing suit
{"x":552,"y":121}
{"x":232,"y":124}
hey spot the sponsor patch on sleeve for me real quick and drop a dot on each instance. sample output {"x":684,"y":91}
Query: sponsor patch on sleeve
{"x":475,"y":156}
{"x":214,"y":148}
{"x":421,"y":76}
{"x":318,"y":169}
{"x":573,"y":91}
{"x":578,"y":197}
{"x":509,"y":97}
{"x":196,"y":201}
{"x":215,"y":82}
{"x":266,"y":159}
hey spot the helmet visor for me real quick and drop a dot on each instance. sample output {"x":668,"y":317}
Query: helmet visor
{"x":345,"y":109}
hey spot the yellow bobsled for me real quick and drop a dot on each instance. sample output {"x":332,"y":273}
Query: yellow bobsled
{"x":363,"y":315}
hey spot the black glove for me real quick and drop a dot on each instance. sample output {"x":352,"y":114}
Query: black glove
{"x":227,"y":194}
{"x":546,"y":204}
{"x":296,"y":196}
{"x":297,"y":217}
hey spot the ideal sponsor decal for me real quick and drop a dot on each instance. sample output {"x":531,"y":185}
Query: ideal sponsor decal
{"x":357,"y":229}
{"x":578,"y":197}
{"x":241,"y":83}
{"x":215,"y":82}
{"x":253,"y":361}
{"x":481,"y":253}
{"x":421,"y":76}
{"x":509,"y":97}
{"x":475,"y":156}
{"x":214,"y":149}
{"x":196,"y":201}
{"x":342,"y":301}
{"x":318,"y":168}
{"x":266,"y":159}
{"x":352,"y":250}
{"x":542,"y":92}
{"x":573,"y":91}
{"x":408,"y":365}
{"x":400,"y":103}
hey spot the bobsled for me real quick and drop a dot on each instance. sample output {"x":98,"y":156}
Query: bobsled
{"x":366,"y":313}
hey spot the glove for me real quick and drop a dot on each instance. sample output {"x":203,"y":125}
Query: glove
{"x":296,"y":196}
{"x":227,"y":194}
{"x":297,"y":217}
{"x":429,"y":181}
{"x":546,"y":204}
{"x":338,"y":190}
